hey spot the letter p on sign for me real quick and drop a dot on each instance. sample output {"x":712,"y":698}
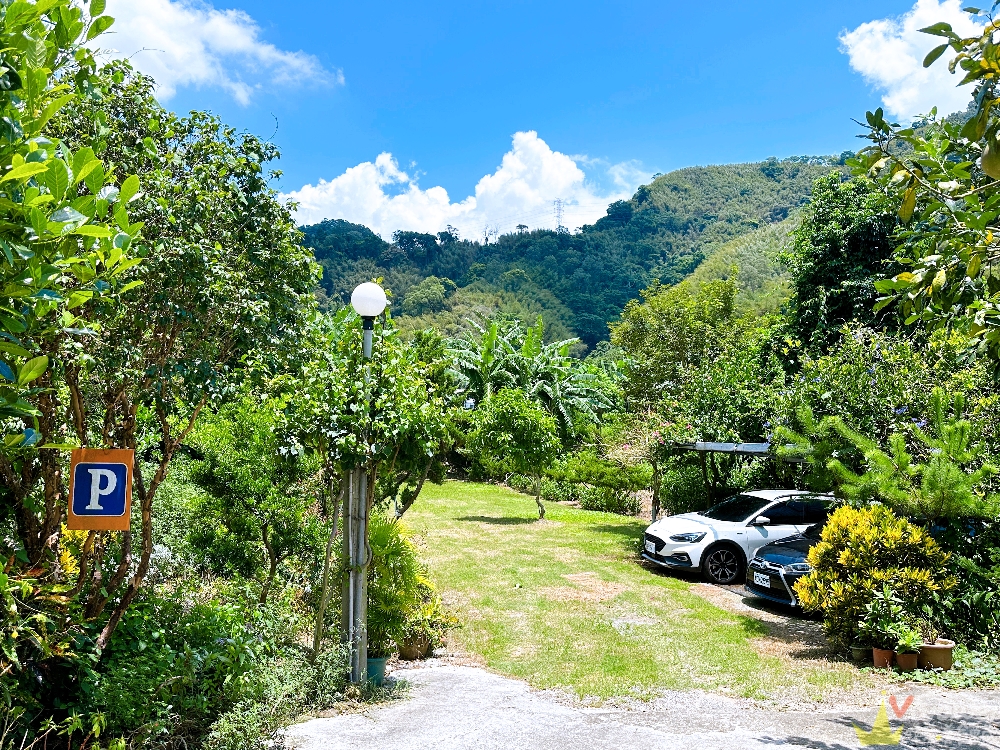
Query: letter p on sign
{"x":100,"y":489}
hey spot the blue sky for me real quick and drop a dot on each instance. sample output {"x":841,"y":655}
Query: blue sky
{"x":444,"y":86}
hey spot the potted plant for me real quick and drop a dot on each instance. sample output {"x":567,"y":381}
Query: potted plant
{"x":393,"y":580}
{"x":426,"y":627}
{"x":937,"y":655}
{"x":861,"y":648}
{"x":908,"y":642}
{"x":935,"y":652}
{"x":880,"y":626}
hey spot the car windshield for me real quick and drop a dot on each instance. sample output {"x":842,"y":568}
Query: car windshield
{"x":736,"y":508}
{"x":814,"y":532}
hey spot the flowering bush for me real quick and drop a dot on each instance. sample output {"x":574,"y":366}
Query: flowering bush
{"x":861,"y":552}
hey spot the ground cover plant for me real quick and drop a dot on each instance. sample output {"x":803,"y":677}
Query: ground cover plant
{"x":563,"y":603}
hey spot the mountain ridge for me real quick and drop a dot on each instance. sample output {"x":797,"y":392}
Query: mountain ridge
{"x":580,"y":282}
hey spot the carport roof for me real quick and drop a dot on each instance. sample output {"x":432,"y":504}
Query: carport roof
{"x":740,"y":449}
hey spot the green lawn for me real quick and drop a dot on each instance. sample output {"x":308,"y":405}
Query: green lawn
{"x":564,"y":603}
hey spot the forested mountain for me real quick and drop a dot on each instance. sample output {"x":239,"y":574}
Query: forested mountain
{"x":580,"y":281}
{"x":761,"y":274}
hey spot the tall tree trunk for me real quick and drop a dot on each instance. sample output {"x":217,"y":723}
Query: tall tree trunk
{"x":656,"y":492}
{"x":538,"y":495}
{"x":411,"y":497}
{"x":146,"y":496}
{"x":327,"y":589}
{"x":272,"y":564}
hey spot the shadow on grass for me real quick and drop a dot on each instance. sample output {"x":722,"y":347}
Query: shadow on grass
{"x":498,"y":520}
{"x":626,"y":530}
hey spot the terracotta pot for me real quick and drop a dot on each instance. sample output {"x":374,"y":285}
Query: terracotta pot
{"x":937,"y":655}
{"x":882,"y":657}
{"x":906,"y":662}
{"x":414,"y":648}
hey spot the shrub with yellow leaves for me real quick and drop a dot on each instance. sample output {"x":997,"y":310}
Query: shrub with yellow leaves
{"x":861,"y":551}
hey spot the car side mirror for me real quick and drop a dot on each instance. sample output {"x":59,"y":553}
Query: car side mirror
{"x":761,"y":521}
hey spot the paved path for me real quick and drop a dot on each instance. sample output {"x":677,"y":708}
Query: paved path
{"x":466,"y":708}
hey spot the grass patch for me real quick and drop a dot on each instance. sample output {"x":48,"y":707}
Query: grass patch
{"x":564,"y":603}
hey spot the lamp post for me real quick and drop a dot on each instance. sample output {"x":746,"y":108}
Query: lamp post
{"x":368,"y":301}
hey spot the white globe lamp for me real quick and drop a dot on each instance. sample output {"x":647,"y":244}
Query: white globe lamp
{"x":368,"y":301}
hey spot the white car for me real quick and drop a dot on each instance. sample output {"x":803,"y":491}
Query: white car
{"x":719,"y":541}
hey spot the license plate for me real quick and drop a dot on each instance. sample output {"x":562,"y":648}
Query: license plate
{"x":762,"y":580}
{"x":650,"y":546}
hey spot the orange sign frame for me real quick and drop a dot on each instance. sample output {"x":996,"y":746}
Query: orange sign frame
{"x":101,"y":456}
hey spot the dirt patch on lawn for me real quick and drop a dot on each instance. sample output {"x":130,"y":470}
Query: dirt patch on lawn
{"x":588,"y":588}
{"x":788,"y":635}
{"x":798,"y":641}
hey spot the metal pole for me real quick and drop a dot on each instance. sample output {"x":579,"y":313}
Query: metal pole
{"x":359,"y":555}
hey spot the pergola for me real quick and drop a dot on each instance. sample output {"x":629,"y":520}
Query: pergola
{"x":708,"y":449}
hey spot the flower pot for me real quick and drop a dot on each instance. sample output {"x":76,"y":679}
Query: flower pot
{"x":906,"y":662}
{"x":937,"y":655}
{"x":882,"y":657}
{"x":415,"y":647}
{"x":860,"y":654}
{"x":376,"y":669}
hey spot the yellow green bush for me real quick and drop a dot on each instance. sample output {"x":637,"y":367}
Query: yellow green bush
{"x":861,"y":551}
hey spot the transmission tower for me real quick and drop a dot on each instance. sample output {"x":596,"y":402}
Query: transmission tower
{"x":557,"y":207}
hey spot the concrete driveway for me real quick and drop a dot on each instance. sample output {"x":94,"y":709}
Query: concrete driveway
{"x":462,"y":707}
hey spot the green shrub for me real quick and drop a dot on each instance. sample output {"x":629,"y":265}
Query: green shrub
{"x":608,"y":500}
{"x":683,"y":487}
{"x":861,"y":552}
{"x":559,"y":492}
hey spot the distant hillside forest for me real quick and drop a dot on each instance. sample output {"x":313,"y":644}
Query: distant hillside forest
{"x":698,"y":221}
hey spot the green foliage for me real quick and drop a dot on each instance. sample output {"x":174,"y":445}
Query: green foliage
{"x":394,"y":584}
{"x":842,"y":246}
{"x":513,"y":435}
{"x":879,"y":384}
{"x":65,"y":238}
{"x":258,"y":507}
{"x":972,"y":669}
{"x":908,"y":641}
{"x":941,"y":179}
{"x":503,"y":355}
{"x":586,"y":467}
{"x":945,"y":486}
{"x":427,"y":296}
{"x":970,"y":612}
{"x":671,"y":332}
{"x":430,"y":621}
{"x":880,"y":624}
{"x":758,"y":262}
{"x":861,"y":552}
{"x":578,"y":282}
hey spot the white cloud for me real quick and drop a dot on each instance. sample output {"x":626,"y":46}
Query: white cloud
{"x":522,"y":190}
{"x":889,"y":53}
{"x":190,"y":43}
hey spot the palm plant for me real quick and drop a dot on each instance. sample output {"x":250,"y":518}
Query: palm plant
{"x":486,"y":363}
{"x":546,"y":373}
{"x":394,"y":584}
{"x":564,"y":387}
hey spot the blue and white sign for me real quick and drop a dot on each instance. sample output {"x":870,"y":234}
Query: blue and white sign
{"x":100,"y":489}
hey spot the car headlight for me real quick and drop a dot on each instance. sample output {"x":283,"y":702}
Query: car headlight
{"x":691,"y":537}
{"x":798,"y":568}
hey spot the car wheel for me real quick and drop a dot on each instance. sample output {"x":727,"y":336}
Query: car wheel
{"x":722,"y":565}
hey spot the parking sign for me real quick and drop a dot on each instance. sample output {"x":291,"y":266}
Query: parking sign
{"x":100,"y":489}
